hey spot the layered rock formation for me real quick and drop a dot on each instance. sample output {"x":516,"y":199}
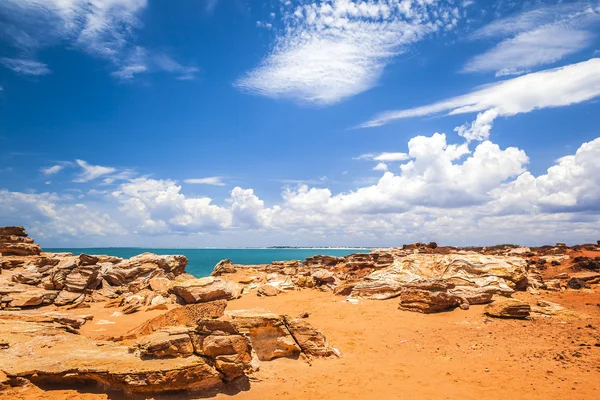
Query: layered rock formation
{"x":15,"y":242}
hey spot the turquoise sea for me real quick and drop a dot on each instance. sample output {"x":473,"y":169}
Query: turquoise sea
{"x":202,"y":261}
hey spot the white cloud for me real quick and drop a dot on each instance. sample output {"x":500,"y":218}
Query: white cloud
{"x":572,"y":84}
{"x":480,"y":128}
{"x":384,"y":157}
{"x":211,"y":180}
{"x":91,"y":172}
{"x":129,"y":71}
{"x":168,"y":64}
{"x":449,"y":193}
{"x":380,"y":167}
{"x":537,"y":37}
{"x":25,"y":67}
{"x":330,"y":50}
{"x":53,"y":169}
{"x":102,"y":28}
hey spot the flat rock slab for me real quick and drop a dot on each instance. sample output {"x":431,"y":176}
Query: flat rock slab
{"x":62,"y":357}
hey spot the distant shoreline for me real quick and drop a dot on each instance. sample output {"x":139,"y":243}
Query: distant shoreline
{"x":218,"y":248}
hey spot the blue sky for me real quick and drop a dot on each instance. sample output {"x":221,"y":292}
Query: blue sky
{"x":242,"y":123}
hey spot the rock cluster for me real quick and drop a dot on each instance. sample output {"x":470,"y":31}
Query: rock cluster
{"x":15,"y":242}
{"x":425,"y":282}
{"x":194,"y":347}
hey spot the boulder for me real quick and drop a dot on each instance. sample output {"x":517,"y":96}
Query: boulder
{"x":223,"y":267}
{"x":32,"y":298}
{"x":28,"y":277}
{"x":576,"y":283}
{"x":311,"y":340}
{"x":267,"y":290}
{"x":508,"y":308}
{"x":320,"y":261}
{"x":490,"y":274}
{"x":323,"y":277}
{"x":268,"y":334}
{"x":165,"y":343}
{"x":159,"y":284}
{"x":427,"y":302}
{"x":205,"y":289}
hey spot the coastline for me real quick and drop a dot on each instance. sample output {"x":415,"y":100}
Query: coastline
{"x":431,"y":320}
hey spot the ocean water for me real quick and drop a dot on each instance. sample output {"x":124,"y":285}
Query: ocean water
{"x":202,"y":261}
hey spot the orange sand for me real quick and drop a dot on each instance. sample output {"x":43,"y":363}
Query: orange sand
{"x":393,"y":354}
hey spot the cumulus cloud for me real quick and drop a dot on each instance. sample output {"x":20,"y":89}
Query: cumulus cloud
{"x":572,"y":84}
{"x":480,"y":128}
{"x":329,"y":50}
{"x":457,"y":193}
{"x":211,"y":180}
{"x":536,"y":37}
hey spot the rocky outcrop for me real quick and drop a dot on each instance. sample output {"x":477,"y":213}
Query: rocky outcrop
{"x":205,"y":289}
{"x":15,"y":242}
{"x":68,"y":358}
{"x":472,"y":276}
{"x":66,"y":279}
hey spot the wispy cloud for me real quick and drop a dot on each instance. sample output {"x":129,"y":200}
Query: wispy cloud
{"x":211,"y":180}
{"x":383,"y":157}
{"x":90,"y":172}
{"x":329,"y":50}
{"x":100,"y":28}
{"x":53,"y":169}
{"x":168,"y":64}
{"x":574,"y":83}
{"x":536,"y":37}
{"x":25,"y":67}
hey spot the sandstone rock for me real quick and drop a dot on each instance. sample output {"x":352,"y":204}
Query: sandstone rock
{"x":68,"y":359}
{"x":65,"y":297}
{"x":28,"y":277}
{"x":311,"y":340}
{"x":267,"y":290}
{"x":12,"y":231}
{"x":188,"y":315}
{"x":344,"y":289}
{"x":33,"y":298}
{"x":323,"y":277}
{"x":576,"y":283}
{"x":20,"y":249}
{"x":223,"y":267}
{"x":426,"y":301}
{"x":268,"y":334}
{"x":164,"y":344}
{"x":86,"y":259}
{"x":160,"y":284}
{"x":15,"y":239}
{"x":205,"y":289}
{"x":508,"y":308}
{"x":493,"y":274}
{"x":323,"y":261}
{"x":81,"y":278}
